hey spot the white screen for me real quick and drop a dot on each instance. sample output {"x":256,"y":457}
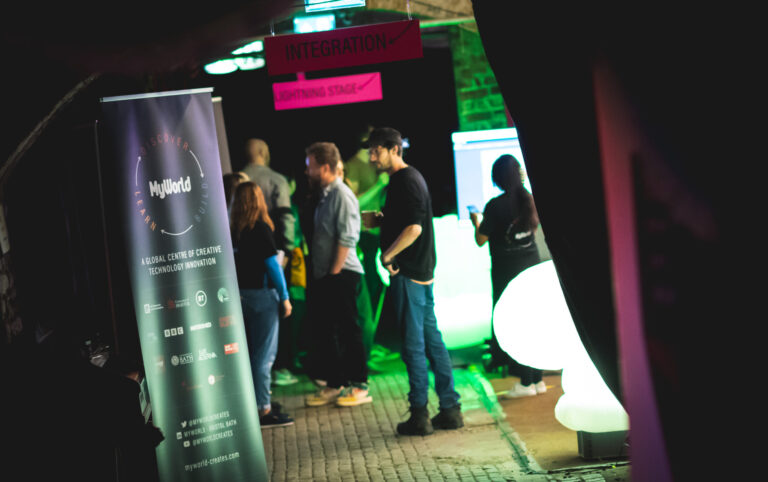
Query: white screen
{"x":474,"y":153}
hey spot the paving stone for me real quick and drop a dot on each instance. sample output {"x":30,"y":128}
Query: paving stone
{"x":361,"y":444}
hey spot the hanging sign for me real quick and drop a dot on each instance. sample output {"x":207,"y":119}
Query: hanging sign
{"x":344,"y":47}
{"x":346,"y":89}
{"x":184,"y":284}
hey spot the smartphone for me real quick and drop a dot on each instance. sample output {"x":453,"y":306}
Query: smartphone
{"x":473,"y":209}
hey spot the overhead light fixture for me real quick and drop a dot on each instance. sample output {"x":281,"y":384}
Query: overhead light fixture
{"x":227,"y":66}
{"x":256,"y":46}
{"x":315,"y":23}
{"x":322,"y":5}
{"x":249,"y":63}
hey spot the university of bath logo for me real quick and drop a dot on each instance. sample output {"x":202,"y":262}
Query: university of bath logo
{"x":170,"y":189}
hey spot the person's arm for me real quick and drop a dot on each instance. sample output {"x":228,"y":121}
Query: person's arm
{"x":275,"y":273}
{"x":480,"y":238}
{"x":338,"y":261}
{"x":347,"y":228}
{"x":286,"y":222}
{"x":406,"y":238}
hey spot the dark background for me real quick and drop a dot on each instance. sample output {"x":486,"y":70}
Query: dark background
{"x":419,"y":100}
{"x":62,"y":237}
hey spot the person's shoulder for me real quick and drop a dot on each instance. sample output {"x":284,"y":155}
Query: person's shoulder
{"x":406,"y":174}
{"x":412,"y":179}
{"x":280,"y":180}
{"x":496,"y":201}
{"x":261,"y":226}
{"x":344,"y":189}
{"x":258,"y":229}
{"x":341,"y":190}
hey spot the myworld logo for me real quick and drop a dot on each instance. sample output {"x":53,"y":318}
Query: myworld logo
{"x":166,"y":187}
{"x":167,"y":165}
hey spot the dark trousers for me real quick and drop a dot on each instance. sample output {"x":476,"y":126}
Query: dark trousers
{"x":339,"y":340}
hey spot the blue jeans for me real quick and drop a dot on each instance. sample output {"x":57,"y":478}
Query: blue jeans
{"x":415,"y":311}
{"x":260,"y":312}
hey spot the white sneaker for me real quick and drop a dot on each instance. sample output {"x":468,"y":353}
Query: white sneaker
{"x":520,"y":391}
{"x":541,"y":387}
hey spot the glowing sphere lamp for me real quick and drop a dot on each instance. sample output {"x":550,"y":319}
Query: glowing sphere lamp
{"x":462,"y":289}
{"x":534,"y":326}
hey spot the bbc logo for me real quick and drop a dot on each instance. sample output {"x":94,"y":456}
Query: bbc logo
{"x":169,"y":332}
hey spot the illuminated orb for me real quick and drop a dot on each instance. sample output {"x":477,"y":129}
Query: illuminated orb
{"x":534,"y":326}
{"x":462,"y":290}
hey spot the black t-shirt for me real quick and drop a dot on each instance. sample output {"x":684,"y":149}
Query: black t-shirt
{"x":507,"y":240}
{"x":407,"y":203}
{"x":254,"y":246}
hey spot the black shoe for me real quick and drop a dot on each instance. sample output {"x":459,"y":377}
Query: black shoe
{"x":274,"y":419}
{"x":448,"y":419}
{"x":277,"y":407}
{"x":417,"y":424}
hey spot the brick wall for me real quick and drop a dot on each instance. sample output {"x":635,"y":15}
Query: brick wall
{"x":478,"y":98}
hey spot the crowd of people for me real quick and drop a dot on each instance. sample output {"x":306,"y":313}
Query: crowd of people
{"x":373,"y":205}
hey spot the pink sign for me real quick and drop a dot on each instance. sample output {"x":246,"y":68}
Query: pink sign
{"x":344,"y":47}
{"x":329,"y":91}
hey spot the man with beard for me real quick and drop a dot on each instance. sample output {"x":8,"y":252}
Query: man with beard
{"x":336,"y":270}
{"x":408,"y":252}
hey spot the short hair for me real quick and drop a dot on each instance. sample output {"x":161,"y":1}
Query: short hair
{"x":325,"y":153}
{"x":257,"y":147}
{"x":386,"y":137}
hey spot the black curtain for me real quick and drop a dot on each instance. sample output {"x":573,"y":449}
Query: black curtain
{"x":546,"y":82}
{"x":693,"y":82}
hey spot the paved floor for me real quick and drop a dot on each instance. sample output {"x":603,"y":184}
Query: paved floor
{"x":360,"y":443}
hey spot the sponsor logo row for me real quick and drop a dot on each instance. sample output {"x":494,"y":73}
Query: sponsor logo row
{"x":224,"y":322}
{"x":200,"y":299}
{"x":203,"y":354}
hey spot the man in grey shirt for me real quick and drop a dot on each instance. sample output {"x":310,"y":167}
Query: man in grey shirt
{"x":336,"y":270}
{"x":276,"y":191}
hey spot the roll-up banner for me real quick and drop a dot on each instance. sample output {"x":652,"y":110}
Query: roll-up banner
{"x":185,"y":291}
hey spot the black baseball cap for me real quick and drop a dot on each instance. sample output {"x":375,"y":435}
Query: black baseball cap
{"x":386,"y":137}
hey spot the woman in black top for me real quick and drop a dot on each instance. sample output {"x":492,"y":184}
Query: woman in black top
{"x":263,"y":291}
{"x":509,"y":224}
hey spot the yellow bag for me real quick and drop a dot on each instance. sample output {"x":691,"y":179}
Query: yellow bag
{"x":298,"y":268}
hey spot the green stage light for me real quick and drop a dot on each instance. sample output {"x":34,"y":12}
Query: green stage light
{"x":315,"y":23}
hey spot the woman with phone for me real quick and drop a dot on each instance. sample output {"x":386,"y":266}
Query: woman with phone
{"x":509,"y":223}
